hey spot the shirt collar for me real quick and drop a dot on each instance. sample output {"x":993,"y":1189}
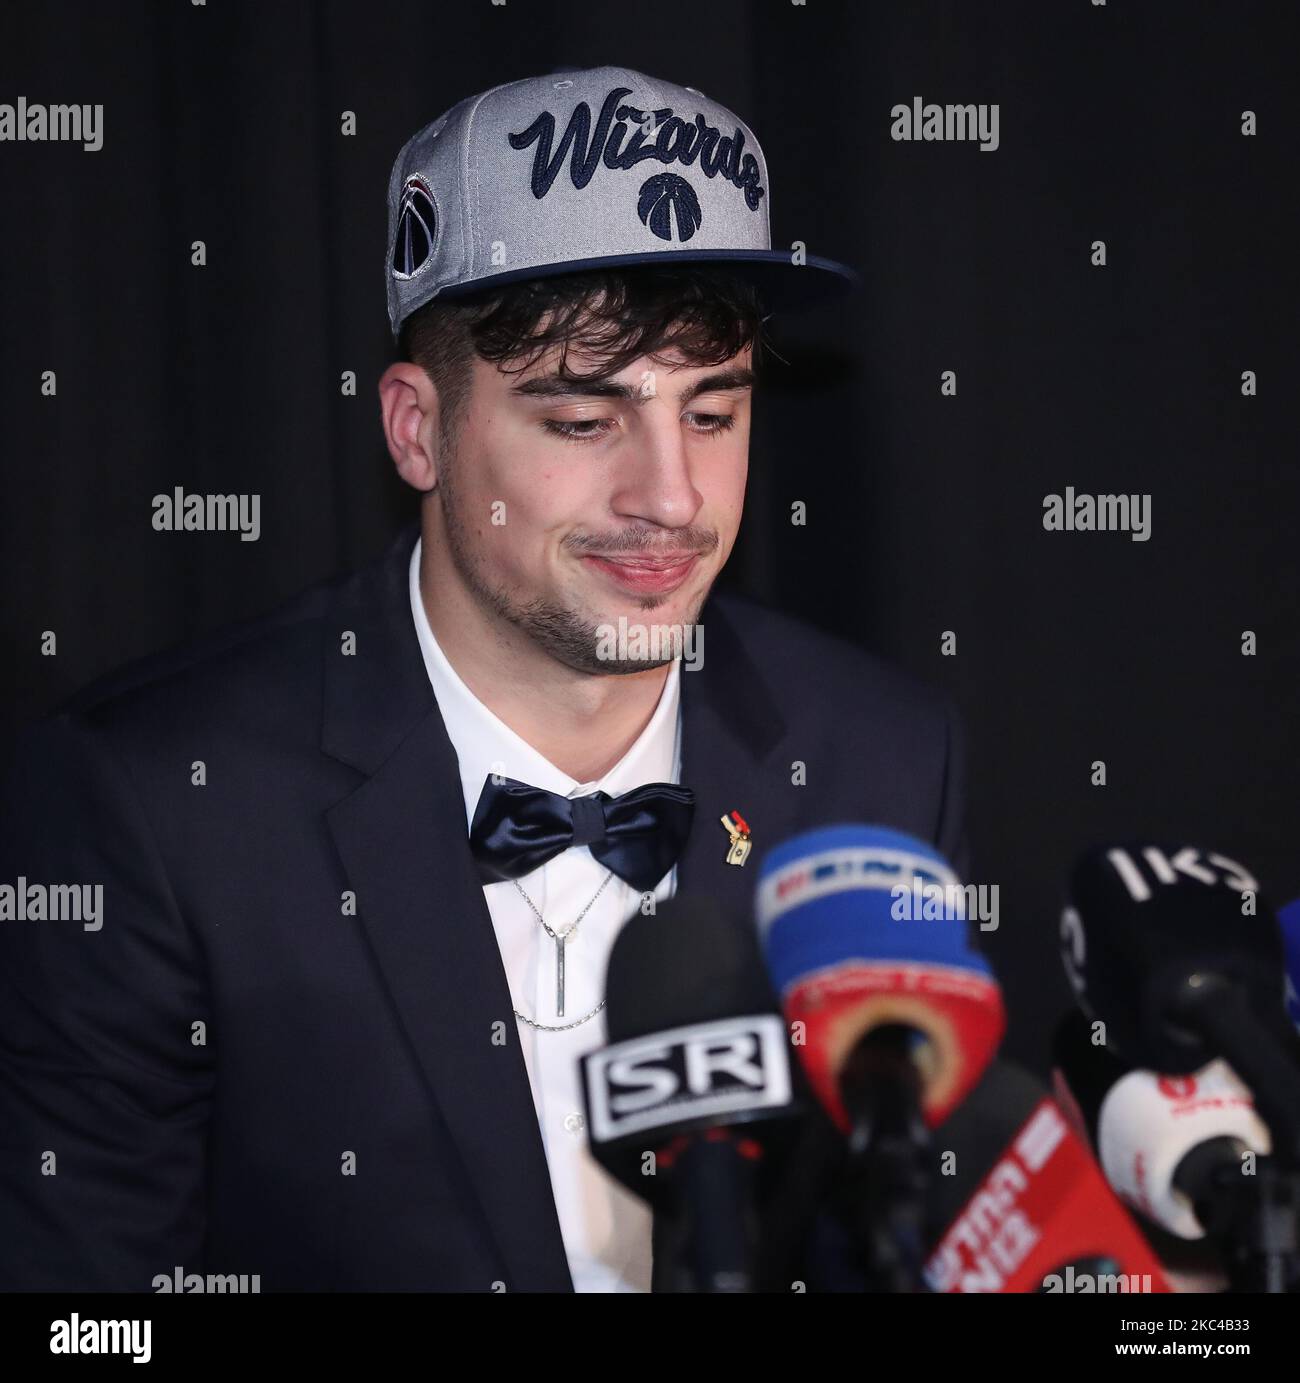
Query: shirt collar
{"x":485,"y":744}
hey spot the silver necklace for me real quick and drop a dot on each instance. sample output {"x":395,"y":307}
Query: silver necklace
{"x":560,"y":938}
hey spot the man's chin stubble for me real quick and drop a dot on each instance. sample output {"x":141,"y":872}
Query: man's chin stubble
{"x":567,"y":636}
{"x":572,"y":639}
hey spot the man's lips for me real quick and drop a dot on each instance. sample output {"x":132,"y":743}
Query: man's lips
{"x":639,"y":572}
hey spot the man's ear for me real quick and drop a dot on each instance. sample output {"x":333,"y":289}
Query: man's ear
{"x":408,"y":402}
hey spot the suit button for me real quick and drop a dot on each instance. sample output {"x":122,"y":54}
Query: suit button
{"x":574,"y":1123}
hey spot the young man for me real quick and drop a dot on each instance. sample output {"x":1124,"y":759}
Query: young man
{"x":363,"y":861}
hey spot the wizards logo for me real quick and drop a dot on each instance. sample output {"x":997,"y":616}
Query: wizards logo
{"x":417,"y":225}
{"x":622,"y":137}
{"x":663,"y":195}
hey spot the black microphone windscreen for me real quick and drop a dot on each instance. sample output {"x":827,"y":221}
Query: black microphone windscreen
{"x":1090,"y":1070}
{"x":976,"y":1134}
{"x":1144,"y":918}
{"x":689,"y":962}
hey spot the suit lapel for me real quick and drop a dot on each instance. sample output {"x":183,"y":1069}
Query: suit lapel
{"x":730,"y":726}
{"x":401,"y":837}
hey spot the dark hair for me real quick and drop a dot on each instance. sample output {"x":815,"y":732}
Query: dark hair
{"x":618,"y":315}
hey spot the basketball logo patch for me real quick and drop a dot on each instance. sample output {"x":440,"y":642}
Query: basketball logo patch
{"x":665,"y":198}
{"x":417,"y":228}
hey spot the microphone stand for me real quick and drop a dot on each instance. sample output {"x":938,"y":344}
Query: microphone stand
{"x":1257,"y":1221}
{"x":704,"y":1240}
{"x":1252,"y":1219}
{"x":887,"y":1174}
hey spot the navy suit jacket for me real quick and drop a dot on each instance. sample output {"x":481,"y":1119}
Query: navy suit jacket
{"x":185,"y":1086}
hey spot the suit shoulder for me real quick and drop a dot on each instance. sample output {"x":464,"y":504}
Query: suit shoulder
{"x":828,"y":671}
{"x":261,"y":672}
{"x":264,"y":667}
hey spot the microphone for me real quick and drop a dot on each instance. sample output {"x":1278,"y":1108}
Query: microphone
{"x":681,"y":1102}
{"x":1174,"y":950}
{"x":848,"y":961}
{"x":1025,"y":1208}
{"x":893,"y":1014}
{"x":1189,"y":1152}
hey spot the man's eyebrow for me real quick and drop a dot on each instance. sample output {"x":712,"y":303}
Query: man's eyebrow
{"x":556,"y":386}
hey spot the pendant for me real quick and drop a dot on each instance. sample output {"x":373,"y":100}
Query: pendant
{"x":559,"y":977}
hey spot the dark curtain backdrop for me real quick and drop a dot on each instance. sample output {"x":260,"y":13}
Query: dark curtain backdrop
{"x":1119,"y":123}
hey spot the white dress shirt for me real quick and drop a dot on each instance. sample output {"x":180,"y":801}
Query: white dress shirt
{"x":606,"y":1229}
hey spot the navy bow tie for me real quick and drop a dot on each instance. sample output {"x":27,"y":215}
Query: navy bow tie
{"x":638,"y":836}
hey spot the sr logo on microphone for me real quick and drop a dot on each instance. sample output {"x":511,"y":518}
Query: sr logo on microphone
{"x":707,"y":1072}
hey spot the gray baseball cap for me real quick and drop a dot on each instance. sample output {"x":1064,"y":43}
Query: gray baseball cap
{"x":585,"y":168}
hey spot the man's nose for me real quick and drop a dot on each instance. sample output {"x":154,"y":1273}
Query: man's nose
{"x":654,"y":481}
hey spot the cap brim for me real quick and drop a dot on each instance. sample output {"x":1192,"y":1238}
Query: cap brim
{"x":783,"y":286}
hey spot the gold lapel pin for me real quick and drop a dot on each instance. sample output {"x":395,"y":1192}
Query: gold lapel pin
{"x":741,"y":844}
